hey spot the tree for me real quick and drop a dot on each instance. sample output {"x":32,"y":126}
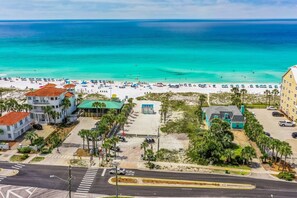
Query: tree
{"x":274,"y":92}
{"x":264,"y":158}
{"x":66,"y":104}
{"x":199,"y":114}
{"x":144,"y":145}
{"x":27,"y":107}
{"x":235,"y":90}
{"x":31,"y":136}
{"x":121,"y":119}
{"x":103,"y":106}
{"x":164,"y":109}
{"x":97,"y":105}
{"x":54,"y":114}
{"x":228,"y":154}
{"x":2,"y":107}
{"x":202,"y":98}
{"x":267,"y":96}
{"x":83,"y":134}
{"x":243,"y":92}
{"x":285,"y":150}
{"x":247,"y":154}
{"x":47,"y":110}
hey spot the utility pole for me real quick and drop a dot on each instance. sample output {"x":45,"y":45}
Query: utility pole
{"x":69,"y":181}
{"x":117,"y":188}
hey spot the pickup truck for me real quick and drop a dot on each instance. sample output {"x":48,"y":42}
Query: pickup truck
{"x":286,"y":123}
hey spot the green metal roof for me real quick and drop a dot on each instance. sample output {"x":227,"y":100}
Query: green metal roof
{"x":88,"y":104}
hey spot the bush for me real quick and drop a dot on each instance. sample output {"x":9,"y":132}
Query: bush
{"x":150,"y":165}
{"x":286,"y":176}
{"x":38,"y":141}
{"x":45,"y":150}
{"x":24,"y":156}
{"x":24,"y":150}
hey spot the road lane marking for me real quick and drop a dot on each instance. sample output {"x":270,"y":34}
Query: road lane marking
{"x":103,"y":173}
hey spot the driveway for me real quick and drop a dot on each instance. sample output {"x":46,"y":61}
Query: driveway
{"x":270,"y":125}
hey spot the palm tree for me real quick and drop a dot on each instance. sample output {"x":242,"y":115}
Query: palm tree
{"x":274,"y":92}
{"x":11,"y":104}
{"x":228,"y":154}
{"x":202,"y":98}
{"x":164,"y":110}
{"x":82,"y":133}
{"x":66,"y":104}
{"x":285,"y":150}
{"x":247,"y":154}
{"x":243,"y":92}
{"x":2,"y":107}
{"x":267,"y":94}
{"x":47,"y":110}
{"x":235,"y":90}
{"x":264,"y":158}
{"x":27,"y":107}
{"x":121,"y":119}
{"x":103,"y":106}
{"x":54,"y":114}
{"x":97,"y":105}
{"x":144,"y":146}
{"x":31,"y":136}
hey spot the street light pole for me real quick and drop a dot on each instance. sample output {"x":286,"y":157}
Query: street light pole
{"x":69,"y":180}
{"x":158,"y":139}
{"x":117,"y":188}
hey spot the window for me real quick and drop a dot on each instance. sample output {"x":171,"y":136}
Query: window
{"x":53,"y":107}
{"x":8,"y":128}
{"x":56,"y":98}
{"x":57,"y":106}
{"x":290,"y":84}
{"x":9,"y":136}
{"x":29,"y":98}
{"x":52,"y":98}
{"x":21,"y":122}
{"x":290,"y":76}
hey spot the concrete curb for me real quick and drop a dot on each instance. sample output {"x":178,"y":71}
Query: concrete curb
{"x":8,"y":172}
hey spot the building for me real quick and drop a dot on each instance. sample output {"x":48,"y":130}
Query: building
{"x":50,"y":95}
{"x":87,"y":108}
{"x":288,"y":93}
{"x":14,"y":124}
{"x":230,"y":114}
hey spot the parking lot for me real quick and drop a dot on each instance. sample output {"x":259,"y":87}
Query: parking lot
{"x":271,"y":126}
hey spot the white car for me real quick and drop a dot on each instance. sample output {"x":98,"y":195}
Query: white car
{"x":286,"y":123}
{"x":271,"y":108}
{"x":121,"y":171}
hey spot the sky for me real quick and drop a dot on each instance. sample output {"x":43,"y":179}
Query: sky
{"x":147,"y":9}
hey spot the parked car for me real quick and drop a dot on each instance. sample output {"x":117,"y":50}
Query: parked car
{"x":271,"y":108}
{"x":121,"y":171}
{"x":294,"y":135}
{"x":268,"y":134}
{"x":277,"y":114}
{"x":149,"y":140}
{"x":286,"y":123}
{"x":37,"y":126}
{"x":122,"y":139}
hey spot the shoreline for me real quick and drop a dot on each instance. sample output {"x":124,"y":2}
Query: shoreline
{"x":127,"y":89}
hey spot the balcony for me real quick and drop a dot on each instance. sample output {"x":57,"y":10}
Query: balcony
{"x":40,"y":102}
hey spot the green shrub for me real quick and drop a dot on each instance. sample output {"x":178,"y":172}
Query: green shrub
{"x":24,"y":150}
{"x":38,"y":141}
{"x":286,"y":176}
{"x":45,"y":150}
{"x":150,"y":165}
{"x":24,"y":156}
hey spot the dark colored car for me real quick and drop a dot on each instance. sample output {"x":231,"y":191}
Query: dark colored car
{"x":116,"y":149}
{"x":268,"y":134}
{"x":294,"y":135}
{"x":122,"y":139}
{"x":277,"y":114}
{"x":37,"y":126}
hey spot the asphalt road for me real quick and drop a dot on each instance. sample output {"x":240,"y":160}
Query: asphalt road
{"x":38,"y":176}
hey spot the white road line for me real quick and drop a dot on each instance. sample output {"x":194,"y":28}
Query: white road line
{"x":103,"y":173}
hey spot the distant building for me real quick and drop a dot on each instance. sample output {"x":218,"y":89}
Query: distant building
{"x":288,"y":97}
{"x":14,"y":124}
{"x":87,"y":109}
{"x":50,"y":95}
{"x":230,"y":114}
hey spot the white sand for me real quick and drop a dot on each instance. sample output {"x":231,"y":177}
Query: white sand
{"x":122,"y":91}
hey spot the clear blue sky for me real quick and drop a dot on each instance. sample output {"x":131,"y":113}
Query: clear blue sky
{"x":139,"y":9}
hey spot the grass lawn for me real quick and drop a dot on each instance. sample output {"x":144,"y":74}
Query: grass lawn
{"x":37,"y":159}
{"x":18,"y":158}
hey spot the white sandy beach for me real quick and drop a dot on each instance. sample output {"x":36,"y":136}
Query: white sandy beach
{"x":135,"y":89}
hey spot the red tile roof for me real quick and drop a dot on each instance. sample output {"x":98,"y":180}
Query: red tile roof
{"x":69,"y":86}
{"x":46,"y":91}
{"x":69,"y":95}
{"x":12,"y":118}
{"x":50,"y":85}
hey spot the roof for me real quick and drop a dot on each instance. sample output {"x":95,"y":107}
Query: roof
{"x":12,"y":118}
{"x":69,"y":95}
{"x":220,"y":111}
{"x":47,"y":91}
{"x":88,"y":104}
{"x":69,"y":86}
{"x":50,"y":85}
{"x":293,"y":69}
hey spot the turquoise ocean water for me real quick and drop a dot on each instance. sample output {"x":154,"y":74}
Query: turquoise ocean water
{"x":149,"y":50}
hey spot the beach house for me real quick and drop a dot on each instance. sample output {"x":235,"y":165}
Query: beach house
{"x":49,"y":97}
{"x":288,"y":93}
{"x":14,"y":124}
{"x":230,"y":114}
{"x":89,"y":108}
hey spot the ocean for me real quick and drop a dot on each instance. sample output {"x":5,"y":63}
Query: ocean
{"x":149,"y":50}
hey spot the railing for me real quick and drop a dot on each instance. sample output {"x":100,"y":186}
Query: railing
{"x":40,"y":102}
